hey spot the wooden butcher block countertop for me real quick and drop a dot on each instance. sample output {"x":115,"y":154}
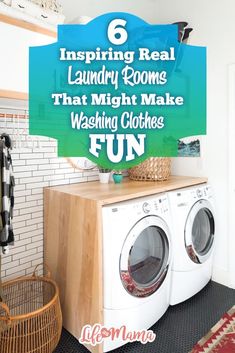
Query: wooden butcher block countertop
{"x":73,"y":245}
{"x":128,"y":189}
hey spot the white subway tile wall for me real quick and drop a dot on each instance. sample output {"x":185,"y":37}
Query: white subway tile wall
{"x":36,"y":166}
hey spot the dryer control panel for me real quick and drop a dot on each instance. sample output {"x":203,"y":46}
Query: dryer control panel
{"x":185,"y":197}
{"x":201,"y":192}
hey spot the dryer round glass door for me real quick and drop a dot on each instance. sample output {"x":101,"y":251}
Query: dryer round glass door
{"x":145,"y":257}
{"x":199,"y":232}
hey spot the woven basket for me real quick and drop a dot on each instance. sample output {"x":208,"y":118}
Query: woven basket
{"x":30,"y":317}
{"x":152,"y":169}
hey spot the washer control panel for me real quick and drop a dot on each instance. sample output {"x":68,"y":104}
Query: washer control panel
{"x":152,"y":205}
{"x":159,"y":205}
{"x":146,"y":207}
{"x":156,"y":205}
{"x":199,"y":193}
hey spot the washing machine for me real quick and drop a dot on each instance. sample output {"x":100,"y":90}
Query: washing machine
{"x":136,"y":264}
{"x":193,"y":240}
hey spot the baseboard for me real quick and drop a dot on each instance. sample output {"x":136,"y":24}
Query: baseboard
{"x":222,"y":276}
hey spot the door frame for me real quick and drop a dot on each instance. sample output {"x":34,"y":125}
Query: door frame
{"x":201,"y":204}
{"x":133,"y":235}
{"x":231,"y":173}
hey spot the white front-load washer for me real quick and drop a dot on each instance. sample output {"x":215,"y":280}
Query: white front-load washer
{"x":193,"y":234}
{"x":136,"y":264}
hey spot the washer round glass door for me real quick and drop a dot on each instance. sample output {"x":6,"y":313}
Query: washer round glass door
{"x":145,"y":257}
{"x":199,"y":232}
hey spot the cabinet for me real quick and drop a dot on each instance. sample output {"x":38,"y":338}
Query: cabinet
{"x":16,"y":36}
{"x":73,"y":242}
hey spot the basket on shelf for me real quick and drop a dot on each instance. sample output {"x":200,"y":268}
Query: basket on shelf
{"x":30,"y":316}
{"x":152,"y":169}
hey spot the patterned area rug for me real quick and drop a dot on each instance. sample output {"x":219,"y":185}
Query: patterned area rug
{"x":221,"y":338}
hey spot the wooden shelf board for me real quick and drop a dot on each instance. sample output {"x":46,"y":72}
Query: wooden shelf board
{"x":27,"y":25}
{"x":13,"y":94}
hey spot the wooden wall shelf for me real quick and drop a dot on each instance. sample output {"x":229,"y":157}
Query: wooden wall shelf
{"x":27,"y":25}
{"x":13,"y":95}
{"x":47,"y":35}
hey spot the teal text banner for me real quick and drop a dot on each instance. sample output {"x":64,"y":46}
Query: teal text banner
{"x":117,"y":90}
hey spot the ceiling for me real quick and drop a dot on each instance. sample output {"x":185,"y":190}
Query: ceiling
{"x":74,"y":9}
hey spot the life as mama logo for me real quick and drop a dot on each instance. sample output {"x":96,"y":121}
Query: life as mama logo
{"x":117,"y":90}
{"x":97,"y":334}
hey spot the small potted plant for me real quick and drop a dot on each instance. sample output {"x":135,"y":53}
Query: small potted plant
{"x":117,"y":176}
{"x":104,"y":175}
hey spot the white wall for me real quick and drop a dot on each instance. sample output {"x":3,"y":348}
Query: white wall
{"x":36,"y":166}
{"x":214,"y":27}
{"x":92,"y":8}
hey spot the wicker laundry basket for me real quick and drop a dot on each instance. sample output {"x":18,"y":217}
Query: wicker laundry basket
{"x":30,"y":317}
{"x":152,"y":169}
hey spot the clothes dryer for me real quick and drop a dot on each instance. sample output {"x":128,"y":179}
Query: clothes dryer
{"x":193,"y":235}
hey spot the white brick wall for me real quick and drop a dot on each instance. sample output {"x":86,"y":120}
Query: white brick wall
{"x":35,"y":166}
